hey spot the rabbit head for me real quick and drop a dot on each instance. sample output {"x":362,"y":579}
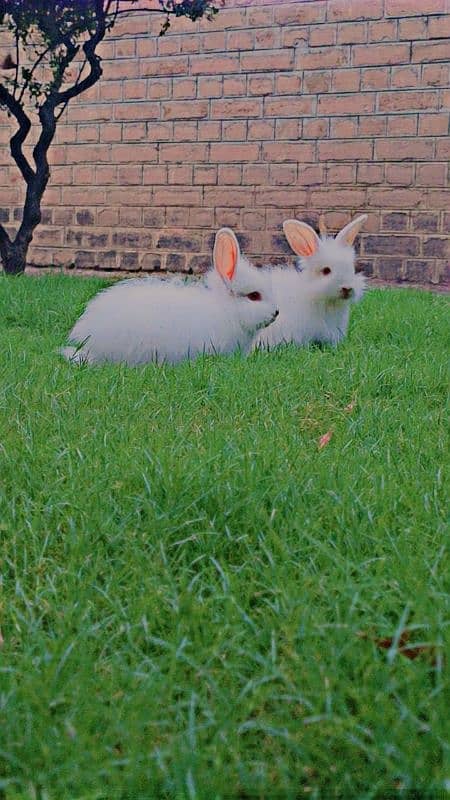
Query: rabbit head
{"x":249,"y":288}
{"x":328,"y":263}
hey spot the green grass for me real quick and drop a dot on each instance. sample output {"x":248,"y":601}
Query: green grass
{"x":185,"y":575}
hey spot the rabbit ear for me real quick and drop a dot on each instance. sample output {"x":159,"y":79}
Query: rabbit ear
{"x":302,"y":238}
{"x":348,"y":234}
{"x":226,"y":253}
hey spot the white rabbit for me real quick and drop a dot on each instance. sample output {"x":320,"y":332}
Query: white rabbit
{"x":149,"y":319}
{"x":314,"y":303}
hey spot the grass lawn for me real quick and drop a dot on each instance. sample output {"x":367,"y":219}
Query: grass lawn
{"x":192,"y":590}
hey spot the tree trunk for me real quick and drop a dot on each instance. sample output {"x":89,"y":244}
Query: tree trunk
{"x":14,"y":256}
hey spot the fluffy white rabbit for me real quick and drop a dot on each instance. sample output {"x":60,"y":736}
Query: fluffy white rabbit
{"x":149,"y":319}
{"x":314,"y":303}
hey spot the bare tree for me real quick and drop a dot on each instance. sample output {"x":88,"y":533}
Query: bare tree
{"x":47,"y":37}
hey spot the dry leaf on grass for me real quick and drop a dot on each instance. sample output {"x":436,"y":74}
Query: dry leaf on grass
{"x":403,"y":645}
{"x":324,"y":440}
{"x":350,"y":406}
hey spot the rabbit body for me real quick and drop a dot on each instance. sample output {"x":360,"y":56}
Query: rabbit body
{"x":148,"y":319}
{"x":314,"y":303}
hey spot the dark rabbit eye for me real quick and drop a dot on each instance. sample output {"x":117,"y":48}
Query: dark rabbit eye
{"x":254,"y":296}
{"x":326,"y":271}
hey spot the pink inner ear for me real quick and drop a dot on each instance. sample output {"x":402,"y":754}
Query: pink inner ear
{"x":225,"y":255}
{"x":301,"y":237}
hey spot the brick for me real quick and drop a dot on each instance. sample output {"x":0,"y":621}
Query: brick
{"x":229,"y":174}
{"x":240,"y":40}
{"x":316,"y":82}
{"x":179,"y":196}
{"x":233,"y":197}
{"x":201,"y":217}
{"x":286,"y":129}
{"x":234,"y":85}
{"x":343,"y":127}
{"x":159,"y":131}
{"x":323,"y":58}
{"x":154,"y":217}
{"x":414,"y":148}
{"x":267,"y":61}
{"x":180,"y":109}
{"x":432,"y":174}
{"x":402,"y":125}
{"x":384,"y":31}
{"x":322,"y":35}
{"x":134,"y":90}
{"x":380,"y":54}
{"x":205,"y":175}
{"x":209,"y":131}
{"x":120,"y":69}
{"x":185,"y":131}
{"x":388,"y":269}
{"x":340,"y":198}
{"x":288,"y":106}
{"x":310,"y":174}
{"x":410,"y":8}
{"x":280,"y":197}
{"x":347,"y":150}
{"x":134,"y":131}
{"x":287,"y":84}
{"x":261,"y":129}
{"x":439,"y":27}
{"x":149,"y":67}
{"x":210,"y":87}
{"x":395,"y":198}
{"x":346,"y":80}
{"x":408,"y":100}
{"x":395,"y":221}
{"x":402,"y":77}
{"x":288,"y":151}
{"x":341,"y":173}
{"x":416,"y":271}
{"x":425,"y":222}
{"x":370,"y":173}
{"x":221,"y":152}
{"x":136,"y":111}
{"x":443,"y":149}
{"x":176,"y":240}
{"x":215,"y":41}
{"x":254,"y":220}
{"x":130,"y":216}
{"x":352,"y":33}
{"x":267,"y":38}
{"x":214,"y":65}
{"x":146,"y":47}
{"x":122,"y":153}
{"x":372,"y":126}
{"x":300,"y":13}
{"x":400,"y":174}
{"x":434,"y":124}
{"x":180,"y":174}
{"x":168,"y":46}
{"x":376,"y":78}
{"x":412,"y":29}
{"x":261,"y":85}
{"x":184,"y":88}
{"x":346,"y":104}
{"x":293,"y":37}
{"x":159,"y":89}
{"x":435,"y":247}
{"x":283,"y":174}
{"x":224,"y":109}
{"x":392,"y":245}
{"x":354,"y":9}
{"x":436,"y":50}
{"x":183,"y":152}
{"x":235,"y":130}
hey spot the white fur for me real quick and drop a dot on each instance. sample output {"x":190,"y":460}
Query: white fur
{"x":149,"y":319}
{"x":310,"y":303}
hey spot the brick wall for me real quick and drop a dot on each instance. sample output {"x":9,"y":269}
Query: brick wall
{"x":276,"y":109}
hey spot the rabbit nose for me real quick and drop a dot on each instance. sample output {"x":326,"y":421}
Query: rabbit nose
{"x":275,"y":313}
{"x":346,"y":292}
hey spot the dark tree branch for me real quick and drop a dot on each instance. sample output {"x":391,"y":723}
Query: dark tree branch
{"x":16,"y":142}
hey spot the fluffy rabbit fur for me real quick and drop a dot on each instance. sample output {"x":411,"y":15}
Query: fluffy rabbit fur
{"x":149,"y":319}
{"x":314,"y":303}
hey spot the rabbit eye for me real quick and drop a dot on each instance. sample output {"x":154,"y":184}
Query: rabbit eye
{"x":326,"y":271}
{"x":254,"y":296}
